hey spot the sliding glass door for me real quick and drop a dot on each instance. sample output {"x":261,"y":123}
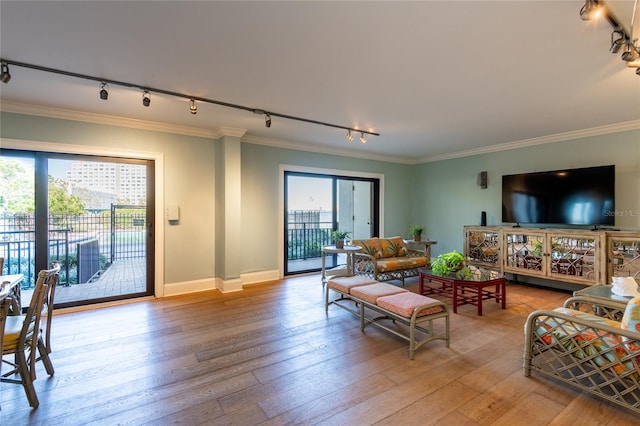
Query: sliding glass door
{"x":93,"y":215}
{"x":318,"y":204}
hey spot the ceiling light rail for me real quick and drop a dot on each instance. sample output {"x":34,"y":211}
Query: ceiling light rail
{"x":593,"y":9}
{"x":104,"y":83}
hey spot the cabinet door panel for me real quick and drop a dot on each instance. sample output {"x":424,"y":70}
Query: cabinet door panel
{"x":483,"y":247}
{"x":524,"y":252}
{"x":624,"y":257}
{"x":573,"y":257}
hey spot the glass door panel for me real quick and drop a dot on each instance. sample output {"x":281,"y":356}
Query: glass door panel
{"x":99,"y":209}
{"x":309,"y":223}
{"x":91,"y":215}
{"x":355,"y":205}
{"x":315,"y":206}
{"x":17,"y":222}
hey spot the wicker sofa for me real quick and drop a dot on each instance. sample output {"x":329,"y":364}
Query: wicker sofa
{"x":582,"y":345}
{"x":386,"y":259}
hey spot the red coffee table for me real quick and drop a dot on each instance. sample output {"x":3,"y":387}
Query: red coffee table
{"x":483,"y":284}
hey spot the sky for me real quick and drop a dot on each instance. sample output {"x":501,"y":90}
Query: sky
{"x":306,"y":193}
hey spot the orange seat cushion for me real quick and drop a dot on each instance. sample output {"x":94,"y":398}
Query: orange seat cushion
{"x":404,"y":304}
{"x":12,"y":330}
{"x":345,"y":284}
{"x":401,"y":263}
{"x":370,"y":293}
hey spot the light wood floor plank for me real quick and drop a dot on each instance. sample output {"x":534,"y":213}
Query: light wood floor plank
{"x":271,"y":355}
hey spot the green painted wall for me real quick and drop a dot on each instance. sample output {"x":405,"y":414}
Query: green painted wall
{"x":261,"y":186}
{"x":450,"y":197}
{"x":442,"y":195}
{"x":192,"y":180}
{"x":188,"y":181}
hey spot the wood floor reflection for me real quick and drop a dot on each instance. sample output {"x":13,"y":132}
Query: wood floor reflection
{"x":270,"y":355}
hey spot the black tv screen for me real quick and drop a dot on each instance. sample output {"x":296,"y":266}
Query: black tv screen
{"x":571,"y":197}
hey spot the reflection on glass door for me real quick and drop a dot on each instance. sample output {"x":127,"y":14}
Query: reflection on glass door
{"x":92,"y":215}
{"x":309,"y":220}
{"x":355,"y":207}
{"x":315,"y":206}
{"x":17,"y":216}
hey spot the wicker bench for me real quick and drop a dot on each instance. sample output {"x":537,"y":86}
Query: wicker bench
{"x":417,"y":312}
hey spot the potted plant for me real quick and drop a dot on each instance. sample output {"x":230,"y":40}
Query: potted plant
{"x":416,"y":231}
{"x":450,"y":263}
{"x":339,"y":237}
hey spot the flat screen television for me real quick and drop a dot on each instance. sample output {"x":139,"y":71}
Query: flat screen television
{"x":582,"y":196}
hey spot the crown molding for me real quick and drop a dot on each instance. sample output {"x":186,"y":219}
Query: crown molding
{"x":558,"y":137}
{"x":301,"y":146}
{"x":218,"y":132}
{"x":87,"y":117}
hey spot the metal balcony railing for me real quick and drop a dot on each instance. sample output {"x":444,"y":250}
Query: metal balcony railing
{"x":120,"y":234}
{"x":307,"y":234}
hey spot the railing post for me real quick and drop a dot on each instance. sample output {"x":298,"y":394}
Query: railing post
{"x":113,"y":232}
{"x":66,"y":248}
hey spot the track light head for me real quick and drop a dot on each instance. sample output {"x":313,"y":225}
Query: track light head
{"x":630,"y":53}
{"x":5,"y":76}
{"x":104,"y":93}
{"x":590,"y":11}
{"x":616,"y":42}
{"x":146,"y":98}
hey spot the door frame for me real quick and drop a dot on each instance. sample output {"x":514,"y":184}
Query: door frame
{"x":157,"y":157}
{"x":315,"y":170}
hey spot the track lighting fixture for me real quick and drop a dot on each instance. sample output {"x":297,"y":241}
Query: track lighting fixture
{"x":630,"y":53}
{"x":146,"y":99}
{"x":634,"y":64}
{"x":4,"y":74}
{"x":362,"y":138}
{"x":193,"y":107}
{"x":104,"y":93}
{"x":590,"y":11}
{"x":349,"y":136}
{"x":617,"y":40}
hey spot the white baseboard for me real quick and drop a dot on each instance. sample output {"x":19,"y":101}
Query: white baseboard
{"x":259,"y":277}
{"x":185,"y":287}
{"x":225,"y":286}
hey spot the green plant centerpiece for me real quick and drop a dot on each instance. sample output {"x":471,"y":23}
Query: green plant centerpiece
{"x":416,"y":231}
{"x":339,"y":237}
{"x":451,"y":263}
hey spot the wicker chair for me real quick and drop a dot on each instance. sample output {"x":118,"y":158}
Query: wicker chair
{"x":23,"y":338}
{"x":386,"y":259}
{"x":575,"y":345}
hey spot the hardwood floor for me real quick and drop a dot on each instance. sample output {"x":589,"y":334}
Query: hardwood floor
{"x":270,"y":355}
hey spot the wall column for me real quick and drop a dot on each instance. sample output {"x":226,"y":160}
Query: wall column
{"x":228,"y":218}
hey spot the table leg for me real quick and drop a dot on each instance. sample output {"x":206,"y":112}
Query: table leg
{"x":322,"y":276}
{"x":479,"y":296}
{"x":504,"y":294}
{"x":455,"y":297}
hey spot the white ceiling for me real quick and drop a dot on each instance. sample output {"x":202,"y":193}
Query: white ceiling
{"x":435,"y":78}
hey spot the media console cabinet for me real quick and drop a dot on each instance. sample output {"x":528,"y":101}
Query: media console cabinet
{"x":569,"y":255}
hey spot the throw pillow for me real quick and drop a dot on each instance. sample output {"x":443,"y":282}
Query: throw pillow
{"x":631,"y":317}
